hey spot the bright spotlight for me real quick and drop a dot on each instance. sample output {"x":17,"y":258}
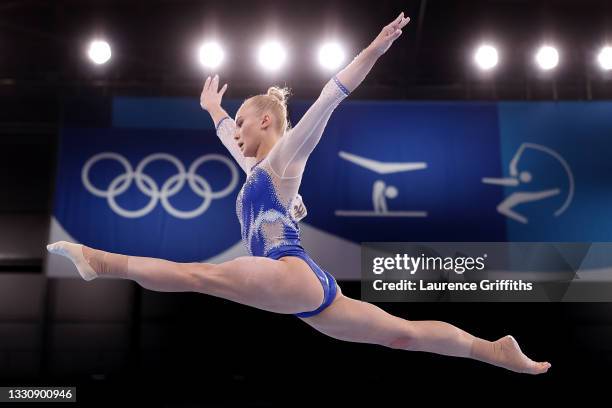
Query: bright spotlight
{"x":486,"y":57}
{"x":272,"y":55}
{"x":99,"y":52}
{"x":605,"y":58}
{"x":331,"y":56}
{"x":547,"y":57}
{"x":211,"y":54}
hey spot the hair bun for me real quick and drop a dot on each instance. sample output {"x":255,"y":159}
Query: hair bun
{"x":281,"y":94}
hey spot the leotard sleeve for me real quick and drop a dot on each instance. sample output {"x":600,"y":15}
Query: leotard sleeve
{"x":289,"y":155}
{"x":226,"y":129}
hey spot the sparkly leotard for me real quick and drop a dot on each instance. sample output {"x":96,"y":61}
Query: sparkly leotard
{"x":268,"y":206}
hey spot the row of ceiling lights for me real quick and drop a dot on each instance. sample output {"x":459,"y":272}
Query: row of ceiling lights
{"x":272,"y":55}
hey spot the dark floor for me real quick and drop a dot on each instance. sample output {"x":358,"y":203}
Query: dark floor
{"x":181,"y":349}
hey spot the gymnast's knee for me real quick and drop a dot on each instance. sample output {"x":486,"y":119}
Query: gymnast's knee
{"x":204,"y":275}
{"x":407,"y":340}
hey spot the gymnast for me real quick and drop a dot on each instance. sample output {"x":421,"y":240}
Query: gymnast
{"x":278,"y":275}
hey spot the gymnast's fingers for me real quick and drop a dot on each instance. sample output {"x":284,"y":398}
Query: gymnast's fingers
{"x":404,"y":22}
{"x":222,"y":91}
{"x":395,"y":22}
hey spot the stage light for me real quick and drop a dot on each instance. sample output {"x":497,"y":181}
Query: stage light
{"x":211,"y":54}
{"x":272,"y":55}
{"x":331,"y":56}
{"x":99,"y":52}
{"x":547,"y":57}
{"x":605,"y":58}
{"x":486,"y":57}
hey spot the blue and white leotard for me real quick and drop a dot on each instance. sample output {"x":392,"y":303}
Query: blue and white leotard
{"x":268,"y":206}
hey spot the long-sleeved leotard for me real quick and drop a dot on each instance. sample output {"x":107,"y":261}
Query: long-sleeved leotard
{"x":268,"y":205}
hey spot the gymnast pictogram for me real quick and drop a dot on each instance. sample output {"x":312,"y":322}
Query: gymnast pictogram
{"x":506,"y":207}
{"x":381,"y":191}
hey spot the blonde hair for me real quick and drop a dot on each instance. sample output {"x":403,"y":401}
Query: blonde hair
{"x":275,"y":101}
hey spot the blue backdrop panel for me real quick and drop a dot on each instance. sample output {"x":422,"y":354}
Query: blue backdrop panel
{"x":456,"y":141}
{"x":483,"y":172}
{"x":156,"y":219}
{"x":567,"y":146}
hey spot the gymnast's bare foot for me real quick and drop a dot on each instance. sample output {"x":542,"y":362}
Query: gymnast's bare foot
{"x":505,"y":352}
{"x":74,"y":252}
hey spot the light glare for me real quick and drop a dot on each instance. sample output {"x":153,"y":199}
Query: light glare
{"x":99,"y":52}
{"x":486,"y":57}
{"x":605,"y":58}
{"x":272,"y":55}
{"x":211,"y":54}
{"x":547,"y":57}
{"x":331,"y":56}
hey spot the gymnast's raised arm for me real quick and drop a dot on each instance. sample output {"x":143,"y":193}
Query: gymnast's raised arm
{"x":210,"y":101}
{"x":288,"y":158}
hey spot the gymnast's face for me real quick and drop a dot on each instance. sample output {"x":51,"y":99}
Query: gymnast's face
{"x":251,"y":129}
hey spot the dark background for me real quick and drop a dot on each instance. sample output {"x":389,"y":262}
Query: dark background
{"x":188,"y":350}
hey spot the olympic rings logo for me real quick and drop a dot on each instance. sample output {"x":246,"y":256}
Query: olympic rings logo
{"x":148,"y":186}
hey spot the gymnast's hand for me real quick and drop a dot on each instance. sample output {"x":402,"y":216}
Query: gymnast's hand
{"x":389,"y":33}
{"x":210,"y":97}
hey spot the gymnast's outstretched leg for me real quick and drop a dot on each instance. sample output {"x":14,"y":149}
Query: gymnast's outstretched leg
{"x":357,"y":321}
{"x":264,"y":283}
{"x":151,"y":273}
